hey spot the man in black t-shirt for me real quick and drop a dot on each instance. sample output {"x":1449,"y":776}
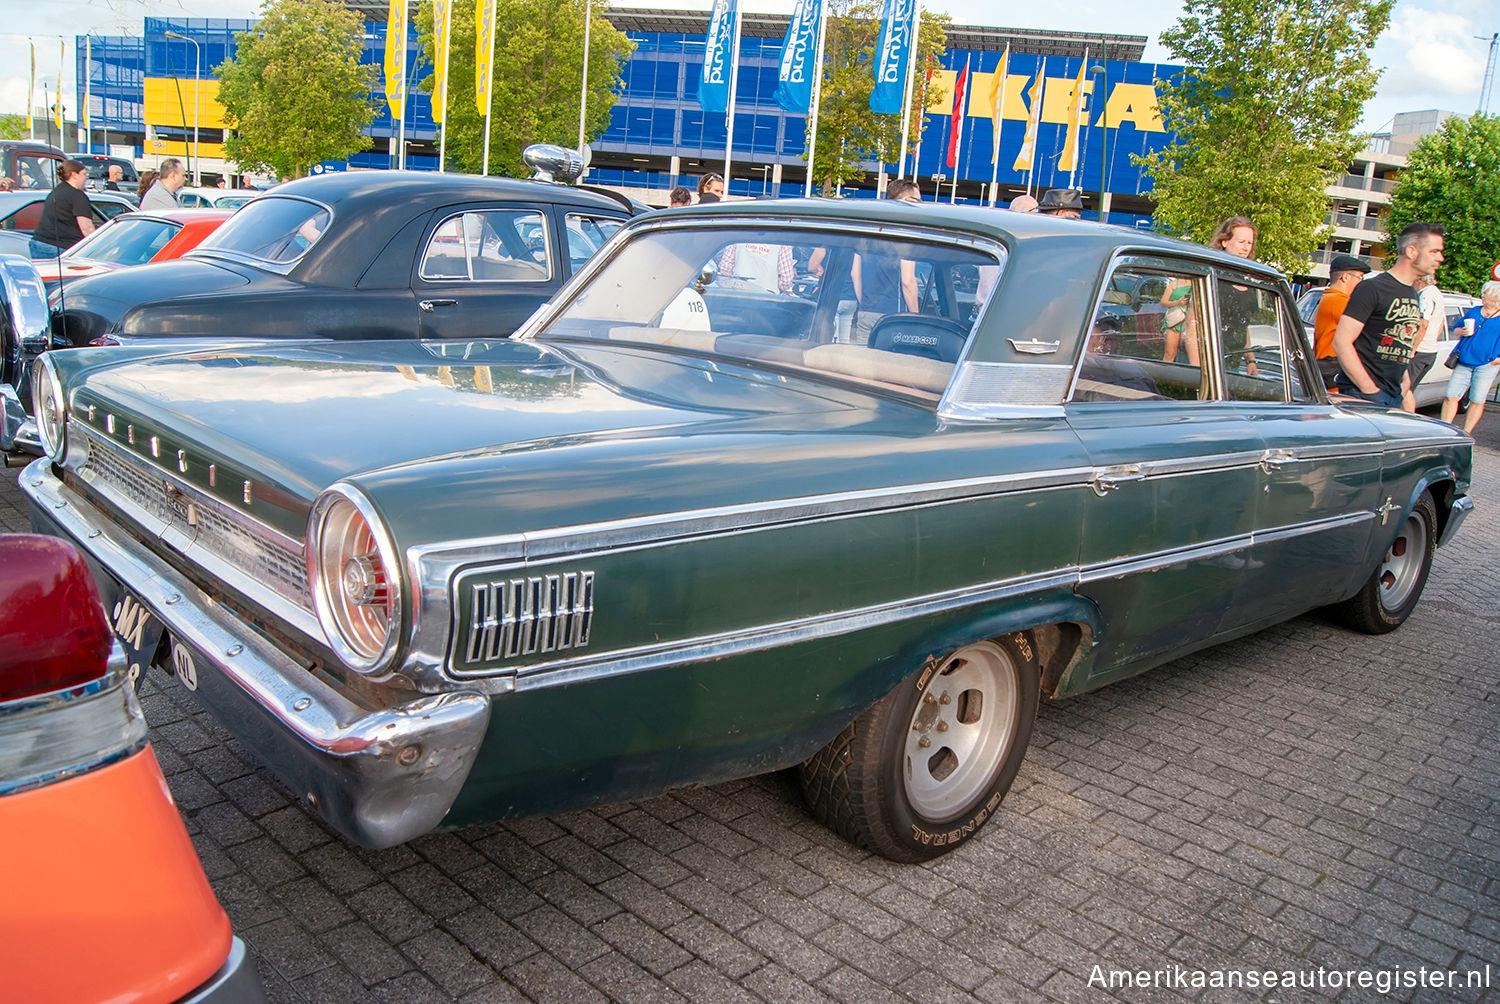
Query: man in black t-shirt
{"x":66,"y":215}
{"x":1382,"y":322}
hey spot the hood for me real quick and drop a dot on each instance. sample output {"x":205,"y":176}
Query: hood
{"x":301,"y":416}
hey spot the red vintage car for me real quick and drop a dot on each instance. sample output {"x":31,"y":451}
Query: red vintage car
{"x":93,"y":853}
{"x":133,"y":239}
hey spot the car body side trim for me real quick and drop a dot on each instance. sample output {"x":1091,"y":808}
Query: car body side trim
{"x":719,"y":646}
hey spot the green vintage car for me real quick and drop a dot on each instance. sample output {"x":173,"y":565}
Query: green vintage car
{"x":690,"y":525}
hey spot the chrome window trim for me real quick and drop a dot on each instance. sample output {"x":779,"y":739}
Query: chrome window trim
{"x":541,"y":219}
{"x":266,"y":264}
{"x":232,"y":576}
{"x":927,"y":235}
{"x":703,"y":648}
{"x":1265,"y":285}
{"x":1154,"y":259}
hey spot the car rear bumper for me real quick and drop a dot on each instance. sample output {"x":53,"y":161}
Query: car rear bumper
{"x":379,"y":775}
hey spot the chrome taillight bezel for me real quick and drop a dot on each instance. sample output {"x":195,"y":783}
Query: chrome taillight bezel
{"x":352,"y":632}
{"x":49,"y":407}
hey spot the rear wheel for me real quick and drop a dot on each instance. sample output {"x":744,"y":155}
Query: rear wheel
{"x":920,"y":771}
{"x":1390,"y":594}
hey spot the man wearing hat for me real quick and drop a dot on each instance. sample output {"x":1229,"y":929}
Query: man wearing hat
{"x":1344,"y":272}
{"x":1064,"y":202}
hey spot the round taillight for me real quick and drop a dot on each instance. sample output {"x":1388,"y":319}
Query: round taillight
{"x":47,"y":406}
{"x":53,"y":634}
{"x":355,"y":578}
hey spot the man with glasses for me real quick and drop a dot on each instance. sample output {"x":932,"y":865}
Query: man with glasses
{"x":885,"y":285}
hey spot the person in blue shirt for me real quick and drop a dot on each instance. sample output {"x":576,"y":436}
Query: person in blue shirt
{"x":1478,"y":358}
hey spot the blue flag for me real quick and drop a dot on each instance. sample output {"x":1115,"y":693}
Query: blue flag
{"x":798,"y":55}
{"x":898,"y":26}
{"x":718,"y":54}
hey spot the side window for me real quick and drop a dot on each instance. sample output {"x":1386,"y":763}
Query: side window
{"x":586,"y":235}
{"x":1250,"y":342}
{"x":1145,"y":340}
{"x":497,"y":245}
{"x":36,"y":172}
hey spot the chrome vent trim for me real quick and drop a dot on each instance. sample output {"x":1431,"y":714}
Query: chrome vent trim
{"x":250,"y":557}
{"x":544,"y":613}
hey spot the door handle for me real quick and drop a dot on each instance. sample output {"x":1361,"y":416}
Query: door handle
{"x":431,"y":305}
{"x":1108,"y":481}
{"x":1274,"y":460}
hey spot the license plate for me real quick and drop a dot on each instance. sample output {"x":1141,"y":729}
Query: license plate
{"x":139,"y":632}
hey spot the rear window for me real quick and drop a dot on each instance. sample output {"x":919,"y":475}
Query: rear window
{"x":125,"y":241}
{"x":271,"y":228}
{"x":882,"y":310}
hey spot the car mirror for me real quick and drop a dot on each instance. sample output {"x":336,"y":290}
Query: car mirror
{"x":707,"y":276}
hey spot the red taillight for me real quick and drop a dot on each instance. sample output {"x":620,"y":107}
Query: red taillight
{"x":53,"y":633}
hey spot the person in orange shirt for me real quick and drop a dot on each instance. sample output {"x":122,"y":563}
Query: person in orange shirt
{"x":1345,"y":272}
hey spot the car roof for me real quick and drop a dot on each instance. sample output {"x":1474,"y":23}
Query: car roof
{"x":419,"y":189}
{"x":1009,"y":228}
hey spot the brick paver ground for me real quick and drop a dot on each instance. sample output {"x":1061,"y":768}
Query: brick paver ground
{"x":1304,"y":798}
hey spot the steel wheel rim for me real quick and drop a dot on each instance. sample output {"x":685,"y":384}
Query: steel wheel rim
{"x":1402,"y":568}
{"x":975,"y":697}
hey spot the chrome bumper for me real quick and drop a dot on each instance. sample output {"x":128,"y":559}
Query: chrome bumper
{"x":1462,"y":506}
{"x":379,"y":776}
{"x":12,"y":417}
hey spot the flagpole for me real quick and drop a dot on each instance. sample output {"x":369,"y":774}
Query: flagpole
{"x":88,"y":69}
{"x":446,"y":37}
{"x":817,"y":96}
{"x":489,"y":95}
{"x":998,"y":113}
{"x":958,"y":154}
{"x":1078,"y":115}
{"x":911,"y":76}
{"x":583,"y":88}
{"x":734,"y":78}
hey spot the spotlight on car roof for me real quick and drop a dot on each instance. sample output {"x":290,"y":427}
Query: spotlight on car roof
{"x":553,"y":163}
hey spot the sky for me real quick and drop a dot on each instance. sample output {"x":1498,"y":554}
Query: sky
{"x":1430,"y":55}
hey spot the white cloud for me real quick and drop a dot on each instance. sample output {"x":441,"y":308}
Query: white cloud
{"x":1435,"y":52}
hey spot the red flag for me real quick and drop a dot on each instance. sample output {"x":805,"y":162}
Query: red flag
{"x":956,"y":130}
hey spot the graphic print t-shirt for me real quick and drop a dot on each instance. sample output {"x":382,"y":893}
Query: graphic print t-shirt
{"x":1392,"y":315}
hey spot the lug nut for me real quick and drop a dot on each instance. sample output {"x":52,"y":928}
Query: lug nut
{"x":923,"y":743}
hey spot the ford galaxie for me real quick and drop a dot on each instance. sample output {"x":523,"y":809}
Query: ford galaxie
{"x":686,"y":526}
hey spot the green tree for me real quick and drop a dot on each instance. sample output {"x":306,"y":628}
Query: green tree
{"x":1263,"y":116}
{"x":12,"y":126}
{"x":1452,"y":177}
{"x":295,"y":92}
{"x":538,"y":71}
{"x":850,"y":136}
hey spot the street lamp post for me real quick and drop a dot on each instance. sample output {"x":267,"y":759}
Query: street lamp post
{"x":197,"y":90}
{"x":1103,"y":93}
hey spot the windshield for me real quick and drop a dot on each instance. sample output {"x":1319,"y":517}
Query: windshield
{"x":272,"y":228}
{"x":877,"y":309}
{"x":125,"y":241}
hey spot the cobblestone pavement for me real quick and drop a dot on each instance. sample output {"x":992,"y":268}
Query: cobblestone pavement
{"x":1304,"y":798}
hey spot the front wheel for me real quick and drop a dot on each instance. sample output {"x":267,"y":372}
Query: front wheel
{"x":921,"y":771}
{"x":1390,"y":594}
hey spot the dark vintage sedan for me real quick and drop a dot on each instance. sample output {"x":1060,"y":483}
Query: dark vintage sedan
{"x":676,"y":531}
{"x":368,"y":254}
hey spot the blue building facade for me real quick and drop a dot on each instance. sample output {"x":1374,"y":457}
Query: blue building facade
{"x":658,"y":136}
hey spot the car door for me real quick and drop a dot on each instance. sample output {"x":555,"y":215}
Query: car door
{"x":1175,"y":470}
{"x":482,"y":270}
{"x":1320,"y":478}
